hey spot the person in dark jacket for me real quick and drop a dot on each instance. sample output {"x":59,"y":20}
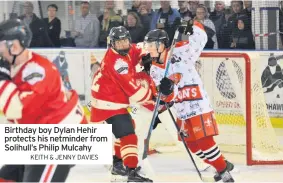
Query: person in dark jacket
{"x":53,"y":24}
{"x":242,"y":36}
{"x":38,"y":28}
{"x":237,"y":8}
{"x":219,"y":20}
{"x":108,"y":20}
{"x":134,"y":26}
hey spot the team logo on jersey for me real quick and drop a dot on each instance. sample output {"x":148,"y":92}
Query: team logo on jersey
{"x":121,"y":66}
{"x":33,"y":73}
{"x":188,"y":93}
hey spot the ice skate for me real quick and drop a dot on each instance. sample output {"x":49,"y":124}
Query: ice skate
{"x":225,"y":176}
{"x":133,"y":176}
{"x":118,"y":171}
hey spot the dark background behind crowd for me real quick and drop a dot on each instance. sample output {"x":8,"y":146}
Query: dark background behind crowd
{"x":227,"y":27}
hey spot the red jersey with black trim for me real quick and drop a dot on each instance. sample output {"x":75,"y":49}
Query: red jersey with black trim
{"x":116,"y":85}
{"x":36,"y":95}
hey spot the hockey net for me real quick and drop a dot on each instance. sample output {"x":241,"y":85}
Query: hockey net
{"x":234,"y":86}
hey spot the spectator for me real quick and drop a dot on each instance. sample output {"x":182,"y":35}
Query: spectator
{"x":87,"y":27}
{"x":109,"y":4}
{"x":144,"y":17}
{"x":134,"y":26}
{"x":164,"y":19}
{"x":148,"y":7}
{"x":202,"y":17}
{"x":237,"y":8}
{"x":110,"y":20}
{"x":242,"y":37}
{"x":219,"y":20}
{"x":135,"y":6}
{"x":38,"y":28}
{"x":193,"y":7}
{"x":53,"y":24}
{"x":248,"y":8}
{"x":184,"y":10}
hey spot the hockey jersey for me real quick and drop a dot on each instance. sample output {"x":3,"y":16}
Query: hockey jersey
{"x":36,"y":95}
{"x":190,"y":98}
{"x":116,"y":85}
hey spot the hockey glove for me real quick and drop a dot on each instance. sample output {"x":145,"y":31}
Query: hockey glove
{"x":166,"y":86}
{"x":5,"y":70}
{"x":188,"y":29}
{"x":146,"y":62}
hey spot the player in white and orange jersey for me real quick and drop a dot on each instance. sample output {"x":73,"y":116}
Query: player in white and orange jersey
{"x":184,"y":86}
{"x":32,"y":92}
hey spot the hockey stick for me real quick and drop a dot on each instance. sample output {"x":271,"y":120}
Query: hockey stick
{"x":186,"y":147}
{"x":155,"y":112}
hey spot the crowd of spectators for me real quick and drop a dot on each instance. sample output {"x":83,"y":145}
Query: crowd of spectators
{"x":227,"y":27}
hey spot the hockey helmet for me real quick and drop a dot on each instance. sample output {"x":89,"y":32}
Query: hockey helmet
{"x":158,"y":36}
{"x":119,"y":33}
{"x":15,"y":29}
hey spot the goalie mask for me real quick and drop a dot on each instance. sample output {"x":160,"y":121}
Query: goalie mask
{"x":153,"y":43}
{"x":10,"y":31}
{"x":120,"y":40}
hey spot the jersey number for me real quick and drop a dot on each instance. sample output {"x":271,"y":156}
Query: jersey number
{"x":95,"y":86}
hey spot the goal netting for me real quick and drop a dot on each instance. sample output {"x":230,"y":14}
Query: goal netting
{"x":233,"y":83}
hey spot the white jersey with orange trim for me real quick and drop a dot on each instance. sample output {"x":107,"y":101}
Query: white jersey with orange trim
{"x":190,"y":98}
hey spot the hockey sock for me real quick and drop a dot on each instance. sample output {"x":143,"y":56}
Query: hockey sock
{"x":212,"y":153}
{"x":194,"y":148}
{"x":117,"y":149}
{"x":129,"y":150}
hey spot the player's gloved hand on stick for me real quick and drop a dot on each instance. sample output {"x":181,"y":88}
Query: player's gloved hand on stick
{"x":166,"y":86}
{"x":5,"y":70}
{"x":187,"y":29}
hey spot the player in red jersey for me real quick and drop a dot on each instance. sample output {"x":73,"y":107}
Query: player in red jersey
{"x":115,"y":86}
{"x":32,"y":92}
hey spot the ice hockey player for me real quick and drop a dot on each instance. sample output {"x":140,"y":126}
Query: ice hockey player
{"x":184,"y":86}
{"x":115,"y":86}
{"x":32,"y":92}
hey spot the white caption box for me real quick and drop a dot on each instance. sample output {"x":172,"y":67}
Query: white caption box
{"x":56,"y":144}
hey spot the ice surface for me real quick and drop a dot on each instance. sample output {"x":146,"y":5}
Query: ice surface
{"x":178,"y":168}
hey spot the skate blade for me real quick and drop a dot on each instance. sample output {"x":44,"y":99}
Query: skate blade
{"x":118,"y":178}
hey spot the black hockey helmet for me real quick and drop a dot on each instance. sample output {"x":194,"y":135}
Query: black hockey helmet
{"x":15,"y":29}
{"x":119,"y":33}
{"x":158,"y":36}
